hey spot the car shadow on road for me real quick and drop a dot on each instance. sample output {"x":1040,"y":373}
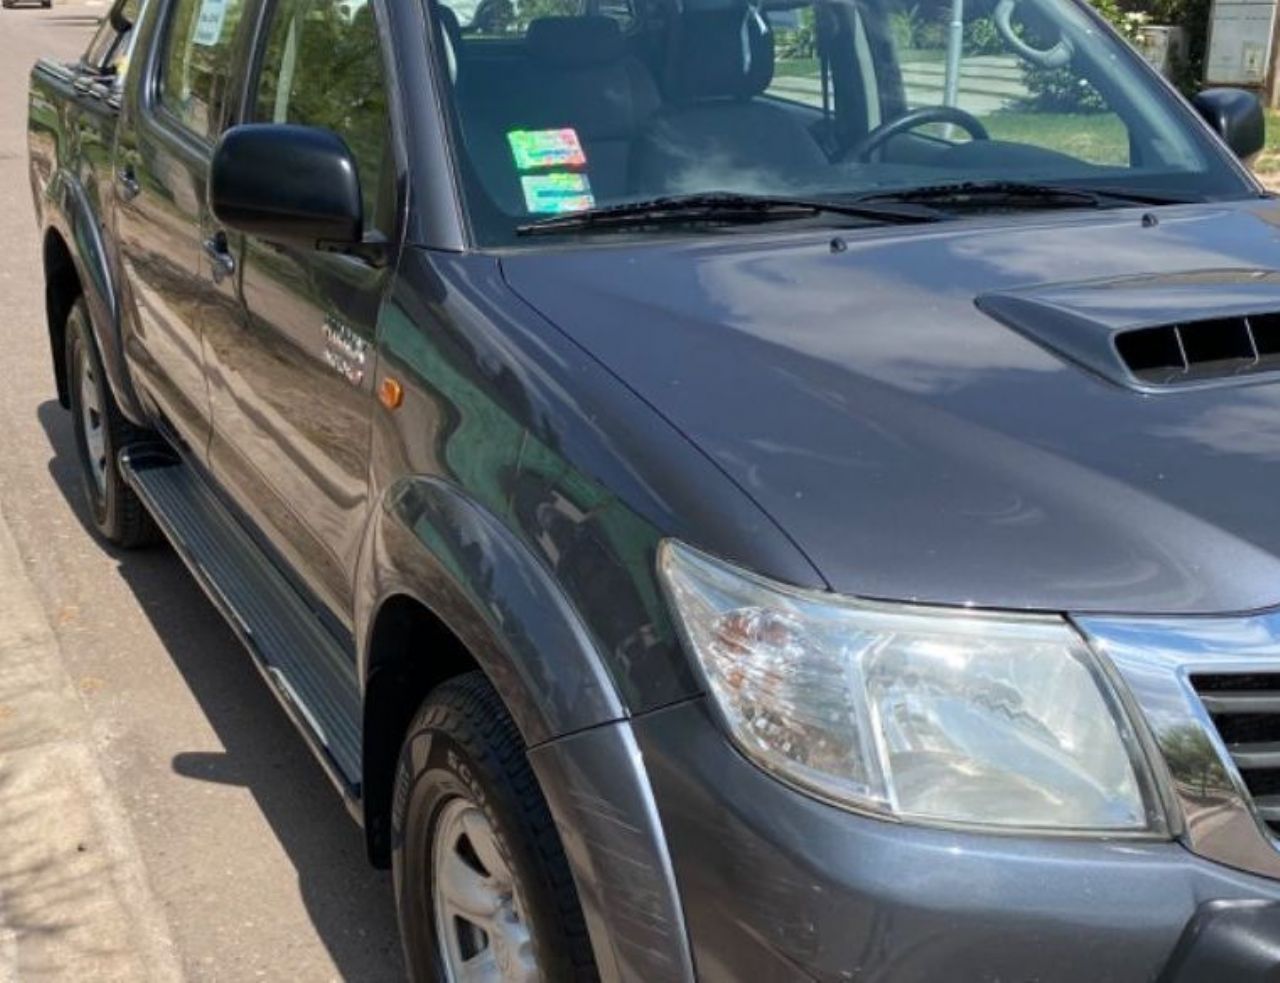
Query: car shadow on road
{"x":350,"y":904}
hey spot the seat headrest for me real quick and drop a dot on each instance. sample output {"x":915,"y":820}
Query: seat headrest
{"x":450,"y":24}
{"x":724,"y":50}
{"x":575,"y":42}
{"x":449,"y":37}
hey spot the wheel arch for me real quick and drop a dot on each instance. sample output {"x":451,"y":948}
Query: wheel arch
{"x":76,"y":264}
{"x":61,"y":289}
{"x":448,"y":588}
{"x":397,"y":682}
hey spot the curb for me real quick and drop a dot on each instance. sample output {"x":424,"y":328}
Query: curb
{"x":75,"y":903}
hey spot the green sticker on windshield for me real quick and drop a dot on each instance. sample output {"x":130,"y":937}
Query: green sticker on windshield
{"x":534,"y":149}
{"x":561,"y":191}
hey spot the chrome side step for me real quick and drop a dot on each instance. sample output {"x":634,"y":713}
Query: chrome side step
{"x":309,"y":671}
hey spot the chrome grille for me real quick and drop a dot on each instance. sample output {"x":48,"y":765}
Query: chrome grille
{"x":1245,"y":708}
{"x":1208,"y":691}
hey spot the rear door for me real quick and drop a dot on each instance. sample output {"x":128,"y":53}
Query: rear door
{"x":175,"y":109}
{"x":292,"y":387}
{"x":98,"y":83}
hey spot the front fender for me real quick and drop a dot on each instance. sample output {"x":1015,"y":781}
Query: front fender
{"x":429,"y":541}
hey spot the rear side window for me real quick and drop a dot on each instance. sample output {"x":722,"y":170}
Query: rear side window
{"x":323,"y":67}
{"x":197,"y":61}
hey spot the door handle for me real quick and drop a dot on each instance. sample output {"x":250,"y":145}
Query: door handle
{"x":82,"y":84}
{"x":224,"y":264}
{"x":128,"y":182}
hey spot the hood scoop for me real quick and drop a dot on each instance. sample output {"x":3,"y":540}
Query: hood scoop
{"x":1155,"y":333}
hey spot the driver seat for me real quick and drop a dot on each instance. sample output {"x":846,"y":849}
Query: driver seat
{"x":714,"y":133}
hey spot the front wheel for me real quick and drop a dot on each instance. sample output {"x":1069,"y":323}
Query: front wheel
{"x":483,"y":889}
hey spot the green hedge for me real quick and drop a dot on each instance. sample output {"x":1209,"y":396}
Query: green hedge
{"x":1191,"y":15}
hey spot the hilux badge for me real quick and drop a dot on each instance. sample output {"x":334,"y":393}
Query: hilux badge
{"x":345,"y":351}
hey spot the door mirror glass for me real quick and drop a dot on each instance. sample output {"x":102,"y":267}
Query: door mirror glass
{"x":294,"y":185}
{"x":1236,"y":116}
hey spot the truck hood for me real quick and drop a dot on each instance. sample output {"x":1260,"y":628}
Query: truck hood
{"x":911,"y":407}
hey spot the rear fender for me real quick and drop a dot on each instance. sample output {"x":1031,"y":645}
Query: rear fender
{"x":68,"y":213}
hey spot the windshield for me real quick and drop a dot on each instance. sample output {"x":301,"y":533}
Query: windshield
{"x":562,"y":107}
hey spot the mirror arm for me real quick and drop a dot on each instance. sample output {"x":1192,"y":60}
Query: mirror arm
{"x":374,"y":249}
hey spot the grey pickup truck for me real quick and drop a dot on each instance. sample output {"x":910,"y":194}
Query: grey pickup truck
{"x":751,"y":490}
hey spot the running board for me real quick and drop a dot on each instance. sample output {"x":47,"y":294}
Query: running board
{"x":313,"y":676}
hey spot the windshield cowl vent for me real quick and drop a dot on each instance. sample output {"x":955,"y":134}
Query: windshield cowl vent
{"x":1196,"y":351}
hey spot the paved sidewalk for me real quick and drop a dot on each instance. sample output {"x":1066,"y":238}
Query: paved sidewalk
{"x":74,"y":901}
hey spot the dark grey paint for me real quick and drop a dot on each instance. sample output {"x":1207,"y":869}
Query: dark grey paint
{"x":789,"y":406}
{"x":600,"y":796}
{"x":433,"y":544}
{"x":779,"y":887}
{"x":1081,"y":321}
{"x":914,"y":447}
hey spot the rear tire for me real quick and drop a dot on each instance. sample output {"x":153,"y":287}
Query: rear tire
{"x":101,"y":432}
{"x":480,"y":873}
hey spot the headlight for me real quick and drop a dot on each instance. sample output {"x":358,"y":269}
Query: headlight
{"x":932,"y":714}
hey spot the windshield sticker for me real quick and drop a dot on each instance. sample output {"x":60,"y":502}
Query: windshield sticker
{"x":210,"y":21}
{"x":534,"y":149}
{"x":558,"y":192}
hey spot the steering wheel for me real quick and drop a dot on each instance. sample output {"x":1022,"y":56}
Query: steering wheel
{"x":863,"y":149}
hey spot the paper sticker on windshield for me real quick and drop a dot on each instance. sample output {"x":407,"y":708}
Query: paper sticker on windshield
{"x":210,"y":21}
{"x":551,"y":194}
{"x":535,"y":149}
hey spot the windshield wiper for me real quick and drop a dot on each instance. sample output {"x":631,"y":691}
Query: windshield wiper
{"x":720,"y":208}
{"x":1014,"y":194}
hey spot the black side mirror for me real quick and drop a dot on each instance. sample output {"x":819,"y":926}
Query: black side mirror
{"x":287,"y":184}
{"x":1236,"y":116}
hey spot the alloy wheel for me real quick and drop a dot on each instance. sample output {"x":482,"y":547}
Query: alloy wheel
{"x":482,"y":932}
{"x":92,"y":421}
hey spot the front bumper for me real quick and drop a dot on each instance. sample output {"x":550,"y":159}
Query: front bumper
{"x":775,"y":885}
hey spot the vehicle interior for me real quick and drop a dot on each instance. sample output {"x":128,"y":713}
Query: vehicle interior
{"x":617,"y":101}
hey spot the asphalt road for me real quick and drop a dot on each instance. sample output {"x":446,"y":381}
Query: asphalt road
{"x":258,"y":870}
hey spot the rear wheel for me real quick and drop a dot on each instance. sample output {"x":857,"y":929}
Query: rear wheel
{"x":482,"y":885}
{"x":100,"y":433}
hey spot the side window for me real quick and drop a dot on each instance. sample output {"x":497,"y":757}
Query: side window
{"x":796,"y":74}
{"x":323,"y":67}
{"x":197,"y":60}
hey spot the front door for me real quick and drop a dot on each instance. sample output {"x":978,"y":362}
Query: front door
{"x":173,"y":113}
{"x":292,"y":386}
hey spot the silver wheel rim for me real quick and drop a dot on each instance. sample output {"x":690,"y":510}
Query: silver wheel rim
{"x":480,"y":927}
{"x":91,"y":421}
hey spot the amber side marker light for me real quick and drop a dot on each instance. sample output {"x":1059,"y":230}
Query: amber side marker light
{"x":390,"y":393}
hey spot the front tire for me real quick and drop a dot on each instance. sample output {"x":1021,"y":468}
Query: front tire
{"x":483,"y":889}
{"x":100,"y":434}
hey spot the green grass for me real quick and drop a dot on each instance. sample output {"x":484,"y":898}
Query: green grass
{"x":1097,"y":137}
{"x":808,"y":67}
{"x":1267,"y":164}
{"x":1273,"y":129}
{"x":801,"y":67}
